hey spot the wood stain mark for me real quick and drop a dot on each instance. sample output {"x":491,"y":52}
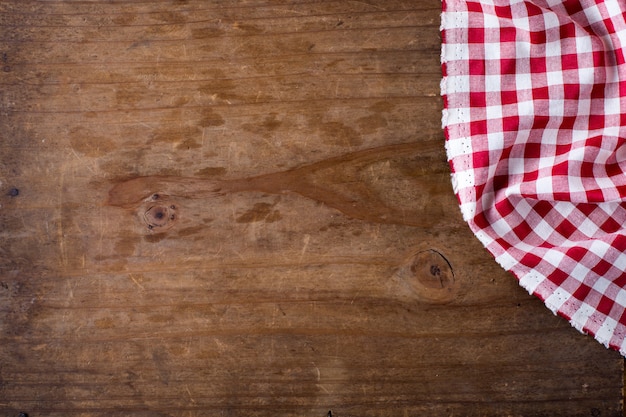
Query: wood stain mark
{"x":188,"y":231}
{"x":210,"y":171}
{"x":154,"y":238}
{"x":260,"y":212}
{"x":348,"y":183}
{"x":382,"y":107}
{"x":89,"y":144}
{"x":130,"y":95}
{"x":210,"y":119}
{"x":207,"y":32}
{"x":126,"y":245}
{"x":160,"y":360}
{"x":371,"y":124}
{"x":265,"y":128}
{"x":338,"y":134}
{"x":188,"y":144}
{"x":174,"y":135}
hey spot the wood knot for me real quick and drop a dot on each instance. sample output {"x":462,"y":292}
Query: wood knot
{"x":158,"y":213}
{"x":435,"y":270}
{"x":429,"y":274}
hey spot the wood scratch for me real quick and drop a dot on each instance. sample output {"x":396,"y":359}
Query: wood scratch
{"x":317,"y":370}
{"x":269,"y":143}
{"x":368,"y":4}
{"x":141,"y":287}
{"x":101,"y":229}
{"x":323,"y":388}
{"x":189,"y":393}
{"x":83,"y":162}
{"x":60,"y":230}
{"x":285,"y":12}
{"x":237,"y":48}
{"x":305,"y":240}
{"x":70,"y":295}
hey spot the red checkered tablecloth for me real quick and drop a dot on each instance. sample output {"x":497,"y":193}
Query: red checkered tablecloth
{"x":535,"y":122}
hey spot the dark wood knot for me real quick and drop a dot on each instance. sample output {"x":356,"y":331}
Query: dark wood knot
{"x":430,"y":276}
{"x":158,"y":213}
{"x":432,"y":269}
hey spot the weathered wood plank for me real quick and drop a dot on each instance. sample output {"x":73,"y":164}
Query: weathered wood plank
{"x":316,"y":259}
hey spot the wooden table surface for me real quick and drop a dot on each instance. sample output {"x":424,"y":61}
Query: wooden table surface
{"x":243,"y":208}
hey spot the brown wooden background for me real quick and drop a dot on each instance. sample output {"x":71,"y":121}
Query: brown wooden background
{"x":239,"y":208}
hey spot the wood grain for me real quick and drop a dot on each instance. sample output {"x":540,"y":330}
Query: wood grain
{"x":213,"y":208}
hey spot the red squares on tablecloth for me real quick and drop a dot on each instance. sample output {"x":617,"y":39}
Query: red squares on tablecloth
{"x":478,"y":99}
{"x":566,"y":228}
{"x":567,"y":30}
{"x":581,"y":292}
{"x":475,"y":35}
{"x":541,"y":93}
{"x":508,"y":97}
{"x":570,"y":92}
{"x":501,"y":180}
{"x":562,"y":149}
{"x":510,"y":123}
{"x":504,"y":207}
{"x":596,"y":121}
{"x":538,"y":64}
{"x":605,"y":305}
{"x":572,"y":6}
{"x":560,"y":169}
{"x":558,"y":277}
{"x":532,"y":9}
{"x":530,"y":260}
{"x":503,"y":11}
{"x":619,"y":56}
{"x":537,"y":37}
{"x":594,"y":195}
{"x":614,"y":169}
{"x":474,"y":6}
{"x":476,"y":67}
{"x":569,"y":61}
{"x":532,"y":150}
{"x":522,"y":230}
{"x":567,"y":123}
{"x":611,"y":226}
{"x":598,"y":60}
{"x":530,"y":176}
{"x":481,"y":158}
{"x":508,"y":34}
{"x":478,"y":127}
